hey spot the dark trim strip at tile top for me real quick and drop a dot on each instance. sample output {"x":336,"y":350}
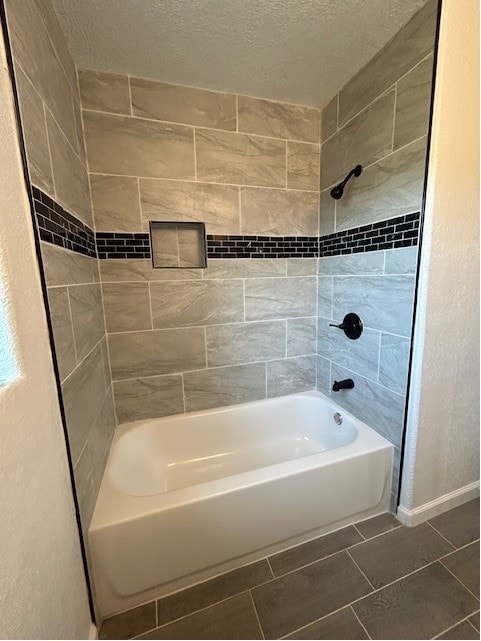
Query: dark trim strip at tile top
{"x":59,"y":227}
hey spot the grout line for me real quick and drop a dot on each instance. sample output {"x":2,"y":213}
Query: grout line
{"x":286,"y":165}
{"x":451,"y":627}
{"x":394,"y":117}
{"x":150,"y":306}
{"x":458,"y":580}
{"x":237,"y":113}
{"x":84,"y":358}
{"x":443,"y":537}
{"x":205,"y":350}
{"x":285,"y":351}
{"x":239,"y":189}
{"x":361,"y":571}
{"x":131,"y":104}
{"x":257,"y":615}
{"x":360,"y":622}
{"x":71,"y":325}
{"x":270,"y":567}
{"x":360,"y":533}
{"x":44,"y":108}
{"x":195,"y":153}
{"x":183,"y":390}
{"x":379,"y":358}
{"x":140,"y":205}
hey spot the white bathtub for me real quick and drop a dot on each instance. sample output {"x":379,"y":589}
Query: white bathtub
{"x":186,"y":497}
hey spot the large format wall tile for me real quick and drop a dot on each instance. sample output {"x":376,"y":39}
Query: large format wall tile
{"x":131,"y":269}
{"x":324,"y":297}
{"x":383,"y":302}
{"x":401,"y":261}
{"x":102,"y":91}
{"x":196,"y":303}
{"x":245,"y":342}
{"x":70,"y":176}
{"x":245,"y":268}
{"x":115,"y":203}
{"x":303,"y":166}
{"x":302,"y":266}
{"x":291,"y":375}
{"x":278,"y":119}
{"x":83,"y":393}
{"x":359,"y":355}
{"x":35,"y":133}
{"x":301,"y":336}
{"x":377,"y":406}
{"x":89,"y":469}
{"x":33,"y":50}
{"x":269,"y":298}
{"x":367,"y":138}
{"x":327,"y":213}
{"x":277,"y":212}
{"x":87,"y":317}
{"x":393,"y":362}
{"x":329,"y":119}
{"x":412,"y":103}
{"x":224,"y":386}
{"x":127,"y":306}
{"x":186,"y":105}
{"x":240,"y":159}
{"x":148,"y":397}
{"x":410,"y":45}
{"x":150,"y":353}
{"x":352,"y":264}
{"x":59,"y":308}
{"x":130,"y":146}
{"x":63,"y":267}
{"x":173,"y":200}
{"x":391,"y":187}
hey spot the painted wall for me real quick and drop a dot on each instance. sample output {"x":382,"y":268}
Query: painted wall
{"x":242,"y":329}
{"x":42,"y":584}
{"x":47,"y":85}
{"x":442,"y":454}
{"x":379,"y":120}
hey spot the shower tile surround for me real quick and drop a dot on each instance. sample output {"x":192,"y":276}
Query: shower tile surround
{"x":380,"y":120}
{"x":245,"y":327}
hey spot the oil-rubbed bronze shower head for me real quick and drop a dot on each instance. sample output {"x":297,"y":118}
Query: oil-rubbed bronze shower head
{"x":338,"y":190}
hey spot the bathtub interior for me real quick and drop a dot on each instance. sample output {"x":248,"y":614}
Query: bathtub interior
{"x":171,"y":453}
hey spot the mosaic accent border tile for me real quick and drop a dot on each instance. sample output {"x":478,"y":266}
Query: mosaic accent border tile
{"x":262,"y":246}
{"x":61,"y":228}
{"x":402,"y":231}
{"x":123,"y":245}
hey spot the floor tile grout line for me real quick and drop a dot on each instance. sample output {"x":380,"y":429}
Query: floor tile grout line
{"x":257,"y":615}
{"x":451,"y":627}
{"x":441,"y":535}
{"x":374,"y":590}
{"x":360,"y":622}
{"x":270,"y":568}
{"x":459,"y":581}
{"x":360,"y":533}
{"x":361,"y":571}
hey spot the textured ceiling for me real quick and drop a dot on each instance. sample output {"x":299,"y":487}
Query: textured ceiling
{"x":300,"y":51}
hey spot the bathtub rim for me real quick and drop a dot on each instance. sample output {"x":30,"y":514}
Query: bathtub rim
{"x":115,"y":506}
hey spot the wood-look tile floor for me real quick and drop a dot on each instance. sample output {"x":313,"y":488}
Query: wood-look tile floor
{"x":373,"y":580}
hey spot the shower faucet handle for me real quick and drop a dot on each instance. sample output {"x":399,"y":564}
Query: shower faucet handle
{"x":351,"y":325}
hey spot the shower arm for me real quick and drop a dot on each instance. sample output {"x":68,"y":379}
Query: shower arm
{"x":338,"y":191}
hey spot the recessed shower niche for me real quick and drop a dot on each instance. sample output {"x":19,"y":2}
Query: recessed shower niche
{"x":178,"y":245}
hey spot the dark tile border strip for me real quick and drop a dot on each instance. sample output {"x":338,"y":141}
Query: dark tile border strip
{"x":61,"y":228}
{"x":123,"y":245}
{"x":402,"y":231}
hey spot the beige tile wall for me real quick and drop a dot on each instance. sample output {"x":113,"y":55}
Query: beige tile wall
{"x":239,"y":330}
{"x":49,"y":99}
{"x":380,"y":120}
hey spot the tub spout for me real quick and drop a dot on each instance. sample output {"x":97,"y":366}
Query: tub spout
{"x":348,"y":383}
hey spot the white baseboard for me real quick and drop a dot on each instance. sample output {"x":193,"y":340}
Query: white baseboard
{"x":418,"y":515}
{"x":93,"y":632}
